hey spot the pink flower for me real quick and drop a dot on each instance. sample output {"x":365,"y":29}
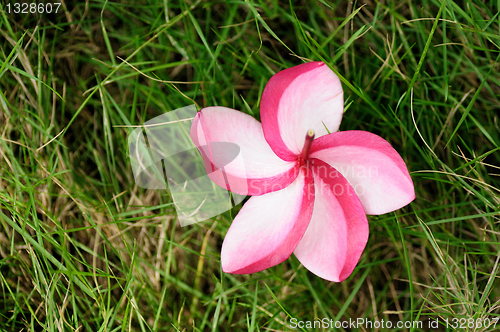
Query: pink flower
{"x":311,"y":189}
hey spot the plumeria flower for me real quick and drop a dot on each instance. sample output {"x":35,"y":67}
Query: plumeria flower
{"x":311,"y":190}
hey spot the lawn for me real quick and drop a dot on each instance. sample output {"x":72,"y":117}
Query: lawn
{"x":84,"y":248}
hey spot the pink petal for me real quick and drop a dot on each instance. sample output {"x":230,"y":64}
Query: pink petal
{"x":257,"y":170}
{"x":267,"y":229}
{"x":299,"y":99}
{"x":338,"y":231}
{"x":374,"y":169}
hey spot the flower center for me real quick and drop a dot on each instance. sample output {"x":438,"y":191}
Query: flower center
{"x":304,"y":155}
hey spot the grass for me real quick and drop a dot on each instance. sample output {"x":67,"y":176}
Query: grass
{"x":82,"y":248}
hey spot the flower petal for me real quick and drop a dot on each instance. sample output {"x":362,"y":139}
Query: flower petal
{"x":267,"y":229}
{"x":257,"y":170}
{"x":338,"y":231}
{"x":299,"y":99}
{"x":374,"y":169}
